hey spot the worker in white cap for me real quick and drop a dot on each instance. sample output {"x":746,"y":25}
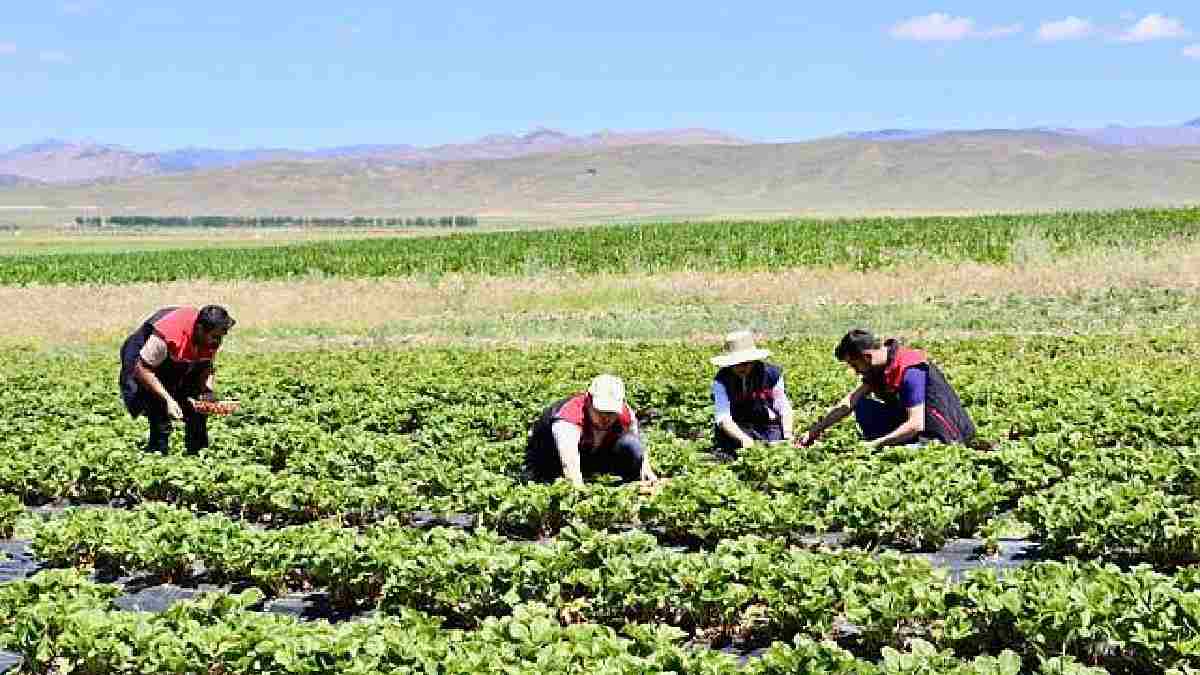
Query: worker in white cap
{"x":589,"y":433}
{"x":751,"y":402}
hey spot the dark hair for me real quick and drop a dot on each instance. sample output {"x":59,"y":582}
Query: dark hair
{"x":855,"y":343}
{"x":213,"y":317}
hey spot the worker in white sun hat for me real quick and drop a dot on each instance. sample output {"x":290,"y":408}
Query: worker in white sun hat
{"x":589,"y":433}
{"x":751,"y":402}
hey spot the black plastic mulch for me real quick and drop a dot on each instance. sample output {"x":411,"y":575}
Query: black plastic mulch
{"x":146,"y":594}
{"x":960,"y":556}
{"x":160,"y":597}
{"x":16,"y":560}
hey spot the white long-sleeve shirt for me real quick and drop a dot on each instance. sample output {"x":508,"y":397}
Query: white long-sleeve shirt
{"x":780,"y":403}
{"x":569,"y":435}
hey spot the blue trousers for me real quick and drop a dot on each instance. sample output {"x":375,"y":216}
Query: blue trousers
{"x":877,"y":419}
{"x":624,"y":459}
{"x":759,"y":432}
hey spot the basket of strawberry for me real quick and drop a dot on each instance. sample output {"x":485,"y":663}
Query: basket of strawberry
{"x":208,"y":406}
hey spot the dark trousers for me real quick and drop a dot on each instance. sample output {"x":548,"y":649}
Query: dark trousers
{"x":877,"y":419}
{"x":759,"y":432}
{"x":624,"y":459}
{"x":195,"y":425}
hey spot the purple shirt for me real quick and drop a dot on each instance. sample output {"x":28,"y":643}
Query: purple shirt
{"x":912,"y":387}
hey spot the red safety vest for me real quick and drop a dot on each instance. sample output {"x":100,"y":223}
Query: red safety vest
{"x":177,"y":328}
{"x":905,"y":358}
{"x":573,"y":410}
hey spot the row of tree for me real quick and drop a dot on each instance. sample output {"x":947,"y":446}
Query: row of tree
{"x":272,"y":221}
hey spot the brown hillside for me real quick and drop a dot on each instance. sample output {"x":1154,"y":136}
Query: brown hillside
{"x":978,"y":171}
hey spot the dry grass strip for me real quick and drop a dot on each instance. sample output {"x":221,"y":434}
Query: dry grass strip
{"x":64,"y":315}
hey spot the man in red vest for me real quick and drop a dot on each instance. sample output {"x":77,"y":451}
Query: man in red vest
{"x":168,"y":360}
{"x":588,"y":433}
{"x":912,"y":400}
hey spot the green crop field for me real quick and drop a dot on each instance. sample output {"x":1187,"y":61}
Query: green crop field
{"x":860,"y":244}
{"x":365,"y":510}
{"x":389,"y":482}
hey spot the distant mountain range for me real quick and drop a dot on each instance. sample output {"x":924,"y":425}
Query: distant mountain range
{"x":954,"y":172}
{"x":8,"y":180}
{"x":64,"y":161}
{"x":1185,"y":134}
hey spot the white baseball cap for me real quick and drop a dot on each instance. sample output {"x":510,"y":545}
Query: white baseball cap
{"x":608,"y":393}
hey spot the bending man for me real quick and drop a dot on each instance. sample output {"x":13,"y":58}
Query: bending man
{"x":588,"y":433}
{"x":167,"y":361}
{"x":912,"y":400}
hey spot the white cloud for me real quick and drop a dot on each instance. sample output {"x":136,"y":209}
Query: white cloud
{"x":1070,"y":28}
{"x":936,"y":26}
{"x":1154,"y":27}
{"x":7,"y":48}
{"x":940,"y":27}
{"x":1192,"y":51}
{"x":1000,"y":31}
{"x":53,"y":56}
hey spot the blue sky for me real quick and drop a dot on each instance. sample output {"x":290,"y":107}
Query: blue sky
{"x":265,"y":73}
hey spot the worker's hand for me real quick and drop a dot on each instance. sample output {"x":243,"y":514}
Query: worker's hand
{"x":648,"y":476}
{"x":173,"y":409}
{"x":651,"y":486}
{"x":807,"y":439}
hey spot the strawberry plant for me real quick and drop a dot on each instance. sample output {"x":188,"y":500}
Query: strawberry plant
{"x":10,"y":509}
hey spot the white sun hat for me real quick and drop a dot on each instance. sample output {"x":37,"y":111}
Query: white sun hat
{"x":739,"y":348}
{"x":608,"y":393}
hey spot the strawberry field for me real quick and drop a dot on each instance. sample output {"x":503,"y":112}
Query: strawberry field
{"x":379,"y":495}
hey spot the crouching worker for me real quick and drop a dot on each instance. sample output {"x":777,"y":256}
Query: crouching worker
{"x":749,"y":397}
{"x":168,"y":360}
{"x":589,"y":433}
{"x":903,"y":398}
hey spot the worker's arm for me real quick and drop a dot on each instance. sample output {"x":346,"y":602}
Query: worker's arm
{"x":646,"y":473}
{"x":152,"y":355}
{"x":912,"y":397}
{"x":836,"y":414}
{"x":566,"y":439}
{"x":909,"y":429}
{"x":150,"y":381}
{"x":734,"y":431}
{"x":724,"y":418}
{"x":783,"y":406}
